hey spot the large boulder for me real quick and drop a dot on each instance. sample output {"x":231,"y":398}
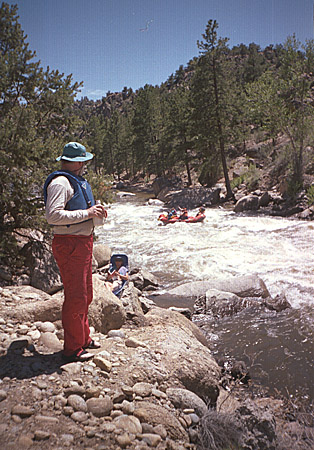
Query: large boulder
{"x":106,"y":311}
{"x":143,"y":279}
{"x":44,"y":272}
{"x":175,"y":354}
{"x":191,"y":198}
{"x":247,"y":203}
{"x":131,"y":303}
{"x":184,"y":399}
{"x":220,"y":304}
{"x":164,"y":184}
{"x":264,"y":200}
{"x":27,"y":304}
{"x":102,"y":254}
{"x":243,"y":286}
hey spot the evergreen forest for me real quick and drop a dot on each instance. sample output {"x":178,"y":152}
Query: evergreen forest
{"x":193,"y":123}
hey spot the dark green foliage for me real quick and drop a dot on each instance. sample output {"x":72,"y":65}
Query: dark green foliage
{"x":35,"y":118}
{"x":310,"y":195}
{"x":282,"y":101}
{"x":216,"y":101}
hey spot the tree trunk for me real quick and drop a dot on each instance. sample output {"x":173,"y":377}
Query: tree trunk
{"x":221,"y":139}
{"x":188,"y":171}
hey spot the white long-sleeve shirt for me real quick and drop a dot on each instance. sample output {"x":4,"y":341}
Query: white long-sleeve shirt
{"x":59,"y":192}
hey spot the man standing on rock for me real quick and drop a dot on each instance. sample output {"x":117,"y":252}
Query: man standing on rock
{"x":70,"y":209}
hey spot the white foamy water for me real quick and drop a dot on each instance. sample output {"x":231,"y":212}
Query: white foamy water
{"x":280,"y":251}
{"x":276,"y":347}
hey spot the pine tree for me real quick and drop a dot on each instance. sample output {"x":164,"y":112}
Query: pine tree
{"x":215,"y":102}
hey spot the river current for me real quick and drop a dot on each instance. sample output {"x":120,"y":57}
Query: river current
{"x":276,"y":347}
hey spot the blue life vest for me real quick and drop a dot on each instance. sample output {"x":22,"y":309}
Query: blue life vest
{"x":83,"y":196}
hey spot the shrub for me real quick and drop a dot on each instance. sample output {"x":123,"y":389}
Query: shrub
{"x":310,"y":195}
{"x":219,"y":431}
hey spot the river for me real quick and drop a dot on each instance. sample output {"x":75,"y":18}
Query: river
{"x":277,"y":347}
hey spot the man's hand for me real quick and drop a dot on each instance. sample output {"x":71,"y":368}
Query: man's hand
{"x":97,"y":211}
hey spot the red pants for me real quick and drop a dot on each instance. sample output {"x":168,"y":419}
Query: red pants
{"x":73,"y":255}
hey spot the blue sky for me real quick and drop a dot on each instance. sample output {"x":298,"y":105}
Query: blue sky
{"x":109,"y":44}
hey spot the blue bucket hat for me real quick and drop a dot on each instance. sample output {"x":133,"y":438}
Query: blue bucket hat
{"x":73,"y":151}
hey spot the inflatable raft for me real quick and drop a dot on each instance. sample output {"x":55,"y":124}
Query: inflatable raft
{"x":192,"y":219}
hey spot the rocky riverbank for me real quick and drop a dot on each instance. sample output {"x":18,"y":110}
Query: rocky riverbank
{"x":153,"y":383}
{"x":274,"y":201}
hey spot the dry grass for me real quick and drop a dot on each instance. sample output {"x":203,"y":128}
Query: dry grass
{"x":219,"y":431}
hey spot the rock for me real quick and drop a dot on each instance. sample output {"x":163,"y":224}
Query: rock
{"x":25,"y":441}
{"x":160,"y":183}
{"x":51,"y":341}
{"x":157,"y":415}
{"x":41,"y":435}
{"x":103,"y":363}
{"x":131,"y":342}
{"x":5,"y":275}
{"x":264,"y":200}
{"x":67,"y":439}
{"x":175,"y":355}
{"x":106,"y":311}
{"x":221,"y":304}
{"x":33,"y":305}
{"x":143,"y":389}
{"x":161,"y":430}
{"x":77,"y":402}
{"x":100,"y":407}
{"x":149,"y":278}
{"x":130,"y":424}
{"x":279,"y":303}
{"x":243,"y":286}
{"x":22,"y":329}
{"x":79,"y":416}
{"x":151,"y":439}
{"x":138,"y":280}
{"x":155,"y":201}
{"x":23,"y":280}
{"x":131,"y":302}
{"x":71,"y":368}
{"x":92,"y":392}
{"x":182,"y":398}
{"x":3,"y":395}
{"x":34,"y":335}
{"x":247,"y":203}
{"x":184,"y":311}
{"x":239,"y":371}
{"x":102,"y":254}
{"x":191,"y":198}
{"x":116,"y":334}
{"x":127,"y":407}
{"x":47,"y":327}
{"x":260,"y":424}
{"x":75,"y":390}
{"x":22,"y":411}
{"x":123,"y":440}
{"x":43,"y":268}
{"x":307,"y":214}
{"x":226,"y":402}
